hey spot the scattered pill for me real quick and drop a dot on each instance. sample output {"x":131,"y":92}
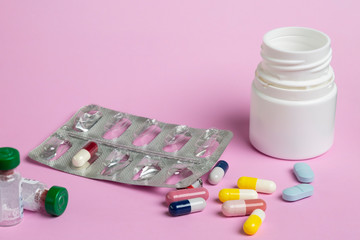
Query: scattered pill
{"x":234,"y":208}
{"x":85,"y":154}
{"x":218,"y":172}
{"x":187,"y":206}
{"x":183,"y":194}
{"x":227,"y":194}
{"x":198,"y":183}
{"x":297,"y":192}
{"x":303,"y":172}
{"x":260,"y":185}
{"x":254,"y":221}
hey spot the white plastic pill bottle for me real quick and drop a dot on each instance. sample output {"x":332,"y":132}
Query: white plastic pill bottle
{"x":293,"y":98}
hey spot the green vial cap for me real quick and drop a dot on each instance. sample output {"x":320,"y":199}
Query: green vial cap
{"x":56,"y":200}
{"x":9,"y":158}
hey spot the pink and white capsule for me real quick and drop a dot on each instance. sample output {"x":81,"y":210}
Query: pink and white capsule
{"x":84,"y":155}
{"x":235,"y":208}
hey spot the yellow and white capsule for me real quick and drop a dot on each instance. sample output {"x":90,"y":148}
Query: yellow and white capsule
{"x":254,"y":221}
{"x":260,"y":185}
{"x":227,"y":194}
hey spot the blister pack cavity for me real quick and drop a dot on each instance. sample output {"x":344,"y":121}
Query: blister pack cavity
{"x":132,"y":149}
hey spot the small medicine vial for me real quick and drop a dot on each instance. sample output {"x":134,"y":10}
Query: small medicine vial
{"x":85,"y":154}
{"x":11,"y":210}
{"x":236,"y":208}
{"x":218,"y":172}
{"x":260,"y":185}
{"x":36,"y":197}
{"x":185,"y":207}
{"x":187,"y":193}
{"x":252,"y":224}
{"x":227,"y":194}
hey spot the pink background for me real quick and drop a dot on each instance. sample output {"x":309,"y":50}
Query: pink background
{"x":185,"y":62}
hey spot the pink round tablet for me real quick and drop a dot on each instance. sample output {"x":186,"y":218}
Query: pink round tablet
{"x":184,"y":194}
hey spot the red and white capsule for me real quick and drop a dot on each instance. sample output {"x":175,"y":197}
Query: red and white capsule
{"x":183,"y":194}
{"x":85,"y":154}
{"x":235,"y":208}
{"x":197,"y":184}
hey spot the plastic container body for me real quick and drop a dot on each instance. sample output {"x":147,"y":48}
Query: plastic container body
{"x":293,"y":98}
{"x":11,"y":209}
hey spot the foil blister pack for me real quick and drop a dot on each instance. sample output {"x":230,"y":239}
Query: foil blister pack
{"x":132,"y":149}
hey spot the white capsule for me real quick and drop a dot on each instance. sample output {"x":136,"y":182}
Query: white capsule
{"x":265,"y":186}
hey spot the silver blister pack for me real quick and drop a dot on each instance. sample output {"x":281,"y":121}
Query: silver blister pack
{"x":132,"y":149}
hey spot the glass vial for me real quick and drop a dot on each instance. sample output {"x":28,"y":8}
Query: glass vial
{"x":37,"y":197}
{"x":11,"y":209}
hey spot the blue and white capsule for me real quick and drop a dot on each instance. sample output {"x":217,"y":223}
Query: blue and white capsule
{"x":185,"y":207}
{"x":218,"y":172}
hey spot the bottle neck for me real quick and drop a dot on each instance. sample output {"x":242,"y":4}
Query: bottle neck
{"x":6,"y":175}
{"x":295,"y":65}
{"x":43,"y":197}
{"x":6,"y":172}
